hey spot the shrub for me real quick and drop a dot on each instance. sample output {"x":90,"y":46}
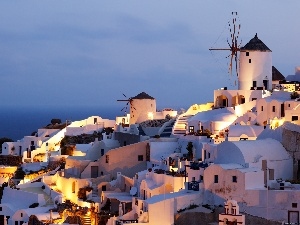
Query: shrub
{"x":34,"y":205}
{"x":294,"y":95}
{"x":55,"y":121}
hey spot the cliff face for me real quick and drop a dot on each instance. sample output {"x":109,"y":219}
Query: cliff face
{"x":291,"y":142}
{"x":199,"y":218}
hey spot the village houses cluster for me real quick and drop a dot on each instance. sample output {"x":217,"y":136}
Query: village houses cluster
{"x":240,"y":152}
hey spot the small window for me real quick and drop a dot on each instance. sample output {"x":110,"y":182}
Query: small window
{"x":191,"y":129}
{"x":101,"y":173}
{"x":294,"y":205}
{"x":209,"y":155}
{"x":201,"y":177}
{"x":102,"y":151}
{"x":0,"y":208}
{"x":289,"y":105}
{"x":234,"y":179}
{"x":294,"y":118}
{"x":16,"y":223}
{"x":21,"y":214}
{"x":262,"y":108}
{"x":216,"y":180}
{"x":247,"y":53}
{"x":107,"y":158}
{"x":140,"y":158}
{"x":271,"y":174}
{"x":124,"y":143}
{"x":104,"y":188}
{"x":73,"y":187}
{"x":254,"y":83}
{"x":249,"y":60}
{"x":273,"y":108}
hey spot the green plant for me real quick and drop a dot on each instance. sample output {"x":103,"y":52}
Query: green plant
{"x":294,"y":95}
{"x":189,"y":148}
{"x":34,"y":205}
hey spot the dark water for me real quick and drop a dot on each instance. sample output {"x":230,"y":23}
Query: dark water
{"x":17,"y":122}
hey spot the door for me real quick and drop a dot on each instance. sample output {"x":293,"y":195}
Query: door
{"x":293,"y":217}
{"x":266,"y":84}
{"x":94,"y":171}
{"x":2,"y":219}
{"x":282,"y":110}
{"x":224,"y":102}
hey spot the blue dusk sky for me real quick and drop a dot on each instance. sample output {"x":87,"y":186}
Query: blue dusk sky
{"x":83,"y":53}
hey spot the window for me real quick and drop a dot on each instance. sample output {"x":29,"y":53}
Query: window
{"x":262,"y":108}
{"x":16,"y":222}
{"x":140,"y":158}
{"x":73,"y":187}
{"x":271,"y":174}
{"x":0,"y":208}
{"x":201,"y":178}
{"x":209,"y":155}
{"x":234,"y":179}
{"x":273,"y":108}
{"x":294,"y":205}
{"x":191,"y":129}
{"x":216,"y":180}
{"x":294,"y":118}
{"x":254,"y":83}
{"x":104,"y":188}
{"x":102,"y":151}
{"x":107,"y":158}
{"x":247,"y":53}
{"x":249,"y":60}
{"x":101,"y":173}
{"x":289,"y":105}
{"x":124,"y":143}
{"x":21,"y":214}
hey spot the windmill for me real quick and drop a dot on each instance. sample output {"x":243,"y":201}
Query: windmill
{"x":129,"y":102}
{"x":234,"y":44}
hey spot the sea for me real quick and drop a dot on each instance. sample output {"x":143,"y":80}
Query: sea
{"x":19,"y":121}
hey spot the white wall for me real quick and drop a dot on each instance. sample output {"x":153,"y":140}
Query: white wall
{"x":258,"y":70}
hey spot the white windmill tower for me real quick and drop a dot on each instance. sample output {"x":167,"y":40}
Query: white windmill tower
{"x":251,"y":63}
{"x":142,"y":107}
{"x":255,"y":66}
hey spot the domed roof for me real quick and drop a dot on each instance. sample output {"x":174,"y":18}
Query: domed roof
{"x":142,"y":95}
{"x":256,"y":44}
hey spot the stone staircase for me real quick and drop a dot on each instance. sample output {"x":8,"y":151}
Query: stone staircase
{"x":86,"y":220}
{"x":168,"y":130}
{"x":180,"y":125}
{"x":95,"y":194}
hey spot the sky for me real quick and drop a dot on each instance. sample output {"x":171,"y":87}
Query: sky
{"x":83,"y":53}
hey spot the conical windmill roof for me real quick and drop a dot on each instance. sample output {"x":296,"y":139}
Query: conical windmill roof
{"x":142,"y":95}
{"x":255,"y":44}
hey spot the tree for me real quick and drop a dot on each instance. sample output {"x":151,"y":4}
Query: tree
{"x":55,"y":121}
{"x":294,"y":95}
{"x":189,"y":148}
